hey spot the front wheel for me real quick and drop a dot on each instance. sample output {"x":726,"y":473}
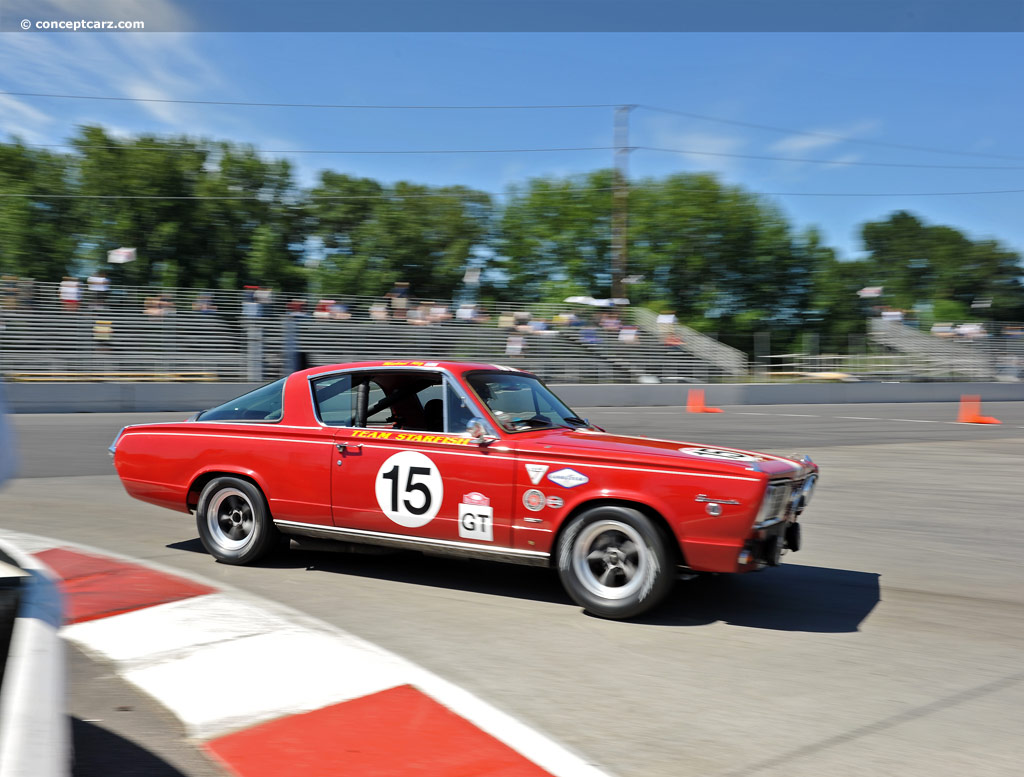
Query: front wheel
{"x":234,"y":522}
{"x":614,"y":562}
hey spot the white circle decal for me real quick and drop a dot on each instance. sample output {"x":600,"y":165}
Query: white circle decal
{"x":717,"y":453}
{"x":409,"y":489}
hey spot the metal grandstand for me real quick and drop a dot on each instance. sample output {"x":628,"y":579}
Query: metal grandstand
{"x":176,"y":334}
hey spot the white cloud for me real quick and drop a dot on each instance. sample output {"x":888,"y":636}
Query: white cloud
{"x":799,"y":143}
{"x":19,"y":119}
{"x":844,"y":160}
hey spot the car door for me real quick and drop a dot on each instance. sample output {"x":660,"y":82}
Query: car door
{"x":413,"y":472}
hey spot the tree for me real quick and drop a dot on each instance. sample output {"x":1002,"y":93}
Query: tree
{"x":37,"y":233}
{"x":916,"y":263}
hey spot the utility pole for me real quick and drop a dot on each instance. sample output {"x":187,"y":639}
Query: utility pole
{"x":620,"y":199}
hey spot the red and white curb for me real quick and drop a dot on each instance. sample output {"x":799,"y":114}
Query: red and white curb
{"x":267,"y":690}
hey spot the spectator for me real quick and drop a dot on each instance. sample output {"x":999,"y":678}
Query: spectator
{"x":514,"y":345}
{"x":70,"y":293}
{"x":399,"y":296}
{"x":9,"y":291}
{"x":250,"y":307}
{"x":263,"y":297}
{"x":296,"y":307}
{"x":611,"y":322}
{"x":204,"y":303}
{"x":102,"y":335}
{"x":628,"y":334}
{"x":99,"y":289}
{"x":378,"y":311}
{"x":419,"y":315}
{"x":438,"y":312}
{"x":466,"y":312}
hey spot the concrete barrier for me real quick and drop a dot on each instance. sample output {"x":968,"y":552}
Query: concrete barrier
{"x":190,"y":397}
{"x":34,"y":730}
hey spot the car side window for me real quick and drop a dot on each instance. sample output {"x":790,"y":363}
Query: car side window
{"x":334,"y":400}
{"x":264,"y":404}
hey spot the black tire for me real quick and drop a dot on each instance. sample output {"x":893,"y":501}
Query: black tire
{"x":615,"y":562}
{"x":234,"y":521}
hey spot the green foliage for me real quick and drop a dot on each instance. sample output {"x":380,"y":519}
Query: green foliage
{"x":216,"y":214}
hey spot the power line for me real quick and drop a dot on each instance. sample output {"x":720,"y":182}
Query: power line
{"x":847,"y":162}
{"x":346,"y":106}
{"x":828,"y":135}
{"x":264,"y":198}
{"x":558,"y":191}
{"x":449,"y":151}
{"x":887,"y":194}
{"x":174,"y":150}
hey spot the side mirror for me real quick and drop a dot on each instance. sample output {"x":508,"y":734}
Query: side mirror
{"x":478,"y":431}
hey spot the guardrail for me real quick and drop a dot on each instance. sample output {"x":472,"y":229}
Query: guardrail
{"x":34,"y":728}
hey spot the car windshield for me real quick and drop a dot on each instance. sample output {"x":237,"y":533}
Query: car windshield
{"x":520,"y":402}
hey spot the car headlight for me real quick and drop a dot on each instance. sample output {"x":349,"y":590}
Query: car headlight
{"x":773,"y":506}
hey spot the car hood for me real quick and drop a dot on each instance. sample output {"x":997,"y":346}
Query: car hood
{"x":647,"y":450}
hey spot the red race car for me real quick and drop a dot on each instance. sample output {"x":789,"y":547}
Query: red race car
{"x":474,"y":460}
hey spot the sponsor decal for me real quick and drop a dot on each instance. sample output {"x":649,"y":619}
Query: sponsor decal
{"x":568,"y":478}
{"x":555,"y":502}
{"x":534,"y":500}
{"x":409,"y":364}
{"x":475,"y":498}
{"x":536,"y":472}
{"x":476,"y":517}
{"x":717,"y":453}
{"x":410,"y":437}
{"x":409,"y":489}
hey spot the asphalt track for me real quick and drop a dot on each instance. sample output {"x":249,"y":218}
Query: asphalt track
{"x":890,"y":645}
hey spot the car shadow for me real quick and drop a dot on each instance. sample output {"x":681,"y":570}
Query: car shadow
{"x":791,"y":597}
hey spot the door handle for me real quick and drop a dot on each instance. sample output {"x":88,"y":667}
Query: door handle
{"x":343,"y":446}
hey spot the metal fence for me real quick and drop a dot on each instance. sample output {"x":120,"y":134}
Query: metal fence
{"x":138,"y":333}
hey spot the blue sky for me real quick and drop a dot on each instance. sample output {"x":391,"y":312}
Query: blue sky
{"x":948,"y":91}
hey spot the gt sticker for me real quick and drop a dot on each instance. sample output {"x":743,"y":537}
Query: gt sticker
{"x":568,"y":478}
{"x":716,"y":453}
{"x":409,"y":489}
{"x":476,"y":517}
{"x":534,"y":500}
{"x":554,"y":502}
{"x":536,"y":472}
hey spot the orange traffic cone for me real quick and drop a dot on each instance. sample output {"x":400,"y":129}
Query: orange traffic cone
{"x":695,"y":403}
{"x":970,"y":411}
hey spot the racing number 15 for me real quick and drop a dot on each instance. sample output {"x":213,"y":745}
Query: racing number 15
{"x":393,"y":475}
{"x":409,"y":489}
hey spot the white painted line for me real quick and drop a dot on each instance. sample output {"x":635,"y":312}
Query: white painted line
{"x":28,"y":543}
{"x":749,"y":413}
{"x":860,"y":418}
{"x":547,"y":754}
{"x":174,"y":629}
{"x":798,"y":415}
{"x":242,"y":682}
{"x":916,"y":421}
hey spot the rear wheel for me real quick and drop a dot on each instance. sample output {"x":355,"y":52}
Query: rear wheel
{"x":614,"y":562}
{"x":234,"y":522}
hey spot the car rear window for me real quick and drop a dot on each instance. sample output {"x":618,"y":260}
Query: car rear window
{"x":264,"y":404}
